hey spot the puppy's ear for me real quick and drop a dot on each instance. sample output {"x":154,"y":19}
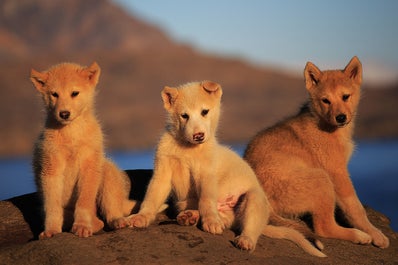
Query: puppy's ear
{"x":312,"y":75}
{"x":92,"y":73}
{"x":169,"y":96}
{"x":354,"y":70}
{"x":212,"y":88}
{"x":38,"y":79}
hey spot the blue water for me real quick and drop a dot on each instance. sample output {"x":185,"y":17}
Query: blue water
{"x":373,"y":168}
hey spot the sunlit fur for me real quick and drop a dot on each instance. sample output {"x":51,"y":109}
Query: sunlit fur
{"x":207,"y":180}
{"x":70,"y":169}
{"x":302,"y":161}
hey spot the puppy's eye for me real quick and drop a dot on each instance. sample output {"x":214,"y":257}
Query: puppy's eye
{"x":345,"y":97}
{"x":54,"y":94}
{"x":204,"y":112}
{"x":326,"y":101}
{"x":185,"y":116}
{"x":74,"y":94}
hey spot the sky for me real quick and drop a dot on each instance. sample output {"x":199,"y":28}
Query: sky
{"x":284,"y":33}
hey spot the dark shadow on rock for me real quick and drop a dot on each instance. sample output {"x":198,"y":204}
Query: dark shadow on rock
{"x":139,"y":182}
{"x":140,"y":179}
{"x":30,"y":205}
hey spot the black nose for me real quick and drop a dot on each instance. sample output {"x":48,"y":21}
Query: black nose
{"x":64,"y":114}
{"x":341,"y":118}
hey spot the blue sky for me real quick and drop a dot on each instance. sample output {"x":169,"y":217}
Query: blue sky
{"x":284,"y":33}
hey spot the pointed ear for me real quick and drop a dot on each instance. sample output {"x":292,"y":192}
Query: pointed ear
{"x":312,"y":75}
{"x":92,"y":73}
{"x":354,"y":70}
{"x":212,"y":88}
{"x":38,"y":79}
{"x":169,"y":96}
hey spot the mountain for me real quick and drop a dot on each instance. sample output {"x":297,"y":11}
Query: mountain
{"x":137,"y":61}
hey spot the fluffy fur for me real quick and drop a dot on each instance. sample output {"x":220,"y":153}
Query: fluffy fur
{"x":207,"y":180}
{"x":70,"y":169}
{"x":302,"y":162}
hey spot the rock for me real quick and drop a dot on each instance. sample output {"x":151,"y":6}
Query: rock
{"x":164,"y":243}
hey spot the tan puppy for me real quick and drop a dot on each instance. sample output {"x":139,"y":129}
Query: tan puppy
{"x":208,"y":180}
{"x":302,"y":161}
{"x":70,"y":168}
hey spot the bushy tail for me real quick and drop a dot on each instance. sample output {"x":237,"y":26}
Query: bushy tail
{"x":294,"y":231}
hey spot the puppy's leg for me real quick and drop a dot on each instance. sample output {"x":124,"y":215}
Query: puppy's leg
{"x":323,"y":208}
{"x":158,"y":190}
{"x":186,"y":205}
{"x":355,"y":213}
{"x":311,"y":190}
{"x":114,"y":196}
{"x":51,"y":180}
{"x":211,"y":221}
{"x":253,"y":215}
{"x":86,"y":221}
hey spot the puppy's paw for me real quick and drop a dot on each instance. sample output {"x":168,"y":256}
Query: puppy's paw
{"x":188,"y":217}
{"x":48,"y":234}
{"x":213,"y":225}
{"x":379,"y":239}
{"x":120,"y":223}
{"x":82,"y":230}
{"x":138,"y":221}
{"x":362,"y":238}
{"x":244,"y":243}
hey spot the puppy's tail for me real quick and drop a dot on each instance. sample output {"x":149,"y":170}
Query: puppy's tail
{"x":294,"y":231}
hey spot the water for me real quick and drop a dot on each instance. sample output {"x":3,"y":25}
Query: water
{"x":373,"y":168}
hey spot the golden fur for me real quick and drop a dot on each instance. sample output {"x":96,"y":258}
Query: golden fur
{"x":70,"y":169}
{"x":207,"y":180}
{"x":302,"y":161}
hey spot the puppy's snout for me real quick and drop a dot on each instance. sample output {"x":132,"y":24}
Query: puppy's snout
{"x":64,"y":114}
{"x":199,"y":137}
{"x":341,"y":118}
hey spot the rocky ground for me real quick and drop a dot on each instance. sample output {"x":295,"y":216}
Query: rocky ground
{"x":164,"y":243}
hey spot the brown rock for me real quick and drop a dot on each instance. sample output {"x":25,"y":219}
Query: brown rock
{"x":164,"y":243}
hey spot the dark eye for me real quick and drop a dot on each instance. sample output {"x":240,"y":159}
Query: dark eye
{"x":54,"y":94}
{"x":346,"y":97}
{"x":185,"y":116}
{"x":326,"y":101}
{"x":204,"y":112}
{"x":74,"y":94}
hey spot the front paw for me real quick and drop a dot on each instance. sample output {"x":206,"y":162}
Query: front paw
{"x":213,"y":225}
{"x":361,"y":237}
{"x":379,"y":239}
{"x":120,"y":223}
{"x":82,"y":230}
{"x":48,"y":234}
{"x":188,"y":217}
{"x":244,"y":243}
{"x":138,"y":221}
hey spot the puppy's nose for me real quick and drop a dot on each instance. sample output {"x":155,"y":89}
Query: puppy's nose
{"x":199,"y":137}
{"x":341,"y":118}
{"x":64,"y":114}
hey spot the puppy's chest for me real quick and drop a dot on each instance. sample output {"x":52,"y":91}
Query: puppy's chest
{"x":76,"y":139}
{"x":192,"y":168}
{"x":333,"y":152}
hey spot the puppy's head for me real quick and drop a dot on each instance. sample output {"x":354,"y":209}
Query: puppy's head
{"x":334,"y":94}
{"x":193,"y":111}
{"x":67,"y":90}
